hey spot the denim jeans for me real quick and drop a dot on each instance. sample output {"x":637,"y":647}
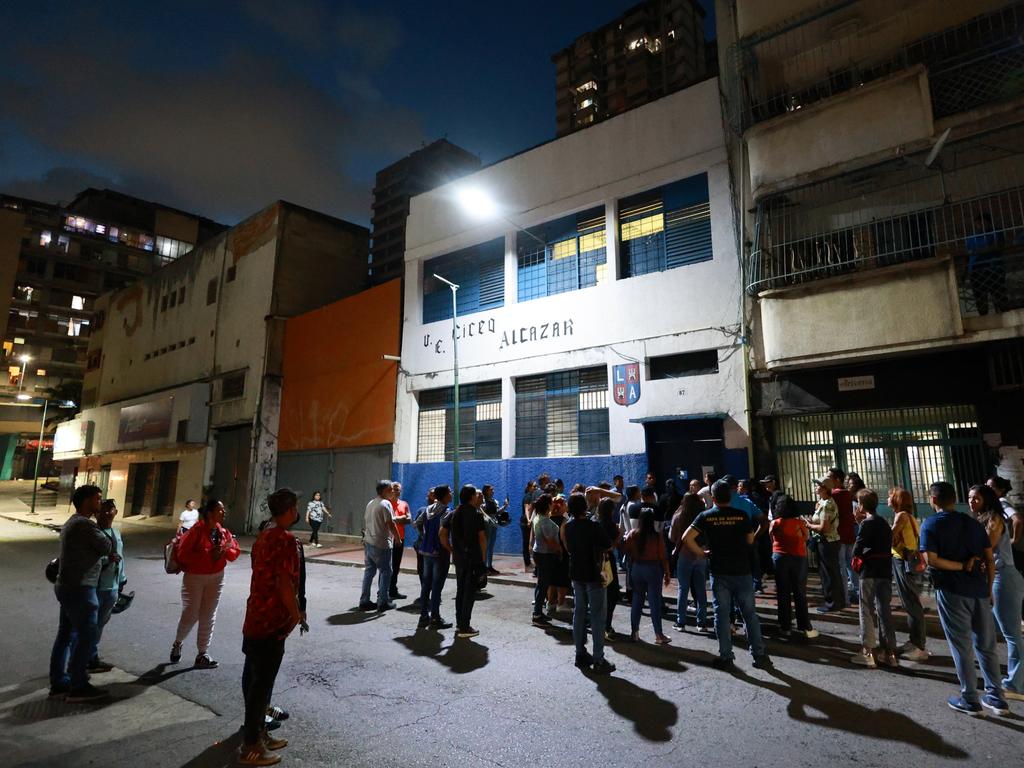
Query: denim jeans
{"x":588,"y":595}
{"x":846,"y":569}
{"x":378,"y":563}
{"x":791,"y":586}
{"x":739,"y":588}
{"x":828,"y":571}
{"x":908,"y":587}
{"x":1007,"y":591}
{"x":967,"y":621}
{"x":876,"y":609}
{"x":106,"y":599}
{"x":262,"y":662}
{"x":492,"y":537}
{"x":692,"y":576}
{"x":435,"y":571}
{"x":647,"y":576}
{"x":79,"y":618}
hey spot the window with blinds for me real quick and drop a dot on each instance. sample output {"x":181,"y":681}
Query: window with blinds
{"x":572,"y":255}
{"x":562,"y":414}
{"x":479,"y":271}
{"x":666,"y":227}
{"x":479,"y":422}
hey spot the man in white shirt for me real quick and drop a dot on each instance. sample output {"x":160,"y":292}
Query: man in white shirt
{"x":189,"y":515}
{"x":379,"y":534}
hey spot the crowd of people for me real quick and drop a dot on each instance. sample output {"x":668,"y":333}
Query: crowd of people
{"x":605,"y":543}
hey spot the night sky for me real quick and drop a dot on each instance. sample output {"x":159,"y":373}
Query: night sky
{"x":221,"y":107}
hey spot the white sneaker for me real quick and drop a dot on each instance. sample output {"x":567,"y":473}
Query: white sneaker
{"x":864,"y":660}
{"x":916,"y":654}
{"x":810,"y":634}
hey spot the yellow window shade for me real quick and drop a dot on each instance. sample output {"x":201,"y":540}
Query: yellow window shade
{"x":592,"y":242}
{"x":563,"y":249}
{"x":601,"y":273}
{"x":649,"y":225}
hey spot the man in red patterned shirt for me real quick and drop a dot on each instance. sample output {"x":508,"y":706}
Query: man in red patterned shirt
{"x":271,"y":613}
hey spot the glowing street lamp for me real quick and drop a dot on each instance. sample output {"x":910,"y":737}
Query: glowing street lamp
{"x":478,"y":203}
{"x":24,"y":369}
{"x":455,"y":377}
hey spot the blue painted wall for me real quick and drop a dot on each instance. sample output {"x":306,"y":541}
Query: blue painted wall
{"x":509,"y":478}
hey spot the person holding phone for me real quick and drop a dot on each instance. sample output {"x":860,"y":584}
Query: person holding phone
{"x":204,"y":552}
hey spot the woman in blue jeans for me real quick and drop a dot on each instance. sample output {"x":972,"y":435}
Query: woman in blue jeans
{"x":1008,"y":586}
{"x":691,"y":574}
{"x":646,"y":549}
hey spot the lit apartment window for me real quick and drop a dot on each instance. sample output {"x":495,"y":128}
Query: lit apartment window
{"x":586,"y":103}
{"x":573,"y":256}
{"x":590,"y":85}
{"x":479,"y":271}
{"x":78,"y":302}
{"x":63,"y":243}
{"x":479,"y":423}
{"x":170,"y":249}
{"x":101,"y":229}
{"x":638,"y":43}
{"x":45,"y":237}
{"x":19,"y":340}
{"x":40,"y":372}
{"x":666,"y":227}
{"x":562,"y":414}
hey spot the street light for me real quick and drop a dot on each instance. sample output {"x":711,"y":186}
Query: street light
{"x":24,"y":366}
{"x":24,"y":401}
{"x":478,"y":203}
{"x":455,"y":375}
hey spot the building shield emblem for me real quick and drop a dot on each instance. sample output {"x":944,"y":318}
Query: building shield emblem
{"x":626,"y":383}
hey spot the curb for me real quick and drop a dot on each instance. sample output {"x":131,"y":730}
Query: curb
{"x":37,"y":524}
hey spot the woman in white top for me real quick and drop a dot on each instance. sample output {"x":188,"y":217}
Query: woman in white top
{"x":315,"y":512}
{"x":189,"y":516}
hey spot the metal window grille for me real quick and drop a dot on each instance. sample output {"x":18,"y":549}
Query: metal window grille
{"x":970,"y":207}
{"x":827,"y":52}
{"x":666,"y":228}
{"x":1006,"y":367}
{"x":562,"y":414}
{"x":566,"y":262}
{"x":479,"y":422}
{"x":479,"y":271}
{"x":907,"y":447}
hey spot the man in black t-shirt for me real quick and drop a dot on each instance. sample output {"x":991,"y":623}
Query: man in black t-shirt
{"x":730,"y":535}
{"x":467,"y":541}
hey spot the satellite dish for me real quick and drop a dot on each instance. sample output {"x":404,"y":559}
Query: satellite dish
{"x":937,"y":148}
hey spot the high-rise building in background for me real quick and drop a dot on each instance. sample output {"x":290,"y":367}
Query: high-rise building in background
{"x":54,"y":262}
{"x":426,"y":168}
{"x":651,"y":50}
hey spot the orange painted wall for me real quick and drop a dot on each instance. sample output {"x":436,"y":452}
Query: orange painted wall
{"x":338,"y":392}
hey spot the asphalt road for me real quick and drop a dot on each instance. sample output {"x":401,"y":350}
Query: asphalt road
{"x":367,"y":690}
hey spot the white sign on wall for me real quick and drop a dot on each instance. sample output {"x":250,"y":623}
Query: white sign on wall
{"x":855,"y":383}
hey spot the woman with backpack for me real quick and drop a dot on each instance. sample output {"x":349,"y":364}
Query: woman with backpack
{"x":908,"y":571}
{"x":202,"y":554}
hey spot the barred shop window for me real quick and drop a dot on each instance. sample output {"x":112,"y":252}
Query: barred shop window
{"x":572,"y":257}
{"x":479,"y":423}
{"x":666,"y":227}
{"x":563,"y":414}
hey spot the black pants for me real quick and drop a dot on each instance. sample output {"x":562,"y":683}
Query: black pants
{"x":612,"y":592}
{"x":465,"y":593}
{"x":790,"y":581}
{"x":526,"y":544}
{"x":546,"y":564}
{"x":396,"y":563}
{"x":314,"y":531}
{"x":832,"y":587}
{"x":262,"y":662}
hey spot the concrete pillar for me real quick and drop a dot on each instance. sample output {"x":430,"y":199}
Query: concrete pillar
{"x":508,"y":418}
{"x":511,"y":269}
{"x":611,"y":238}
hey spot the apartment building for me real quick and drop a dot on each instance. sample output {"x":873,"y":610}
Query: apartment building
{"x":54,"y":263}
{"x":653,"y":49}
{"x":182,"y":391}
{"x":598,"y":310}
{"x":878,"y":149}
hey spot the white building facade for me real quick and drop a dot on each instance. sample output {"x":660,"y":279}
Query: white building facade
{"x":599,"y":312}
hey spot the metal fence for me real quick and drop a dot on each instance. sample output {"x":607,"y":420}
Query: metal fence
{"x":906,"y":447}
{"x":829,"y":52}
{"x":969,"y":204}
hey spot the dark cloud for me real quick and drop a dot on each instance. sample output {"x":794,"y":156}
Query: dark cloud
{"x":222,"y":134}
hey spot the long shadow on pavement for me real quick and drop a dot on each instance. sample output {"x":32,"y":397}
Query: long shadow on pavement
{"x":814,"y":706}
{"x":353,"y":617}
{"x":461,"y":657}
{"x":222,"y":753}
{"x":651,"y":715}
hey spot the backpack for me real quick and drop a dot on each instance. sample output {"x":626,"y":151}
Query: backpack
{"x":430,"y":544}
{"x":170,"y":555}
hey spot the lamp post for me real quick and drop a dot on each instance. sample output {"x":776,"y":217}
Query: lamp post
{"x":24,"y":369}
{"x":39,"y":453}
{"x":455,"y":376}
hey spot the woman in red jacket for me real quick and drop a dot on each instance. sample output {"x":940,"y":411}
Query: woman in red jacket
{"x":202,"y":554}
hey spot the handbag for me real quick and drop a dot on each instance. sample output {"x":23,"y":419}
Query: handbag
{"x":913,"y":561}
{"x":52,"y":570}
{"x":607,"y":574}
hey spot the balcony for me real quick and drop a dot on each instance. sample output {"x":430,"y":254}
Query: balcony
{"x":851,"y":44}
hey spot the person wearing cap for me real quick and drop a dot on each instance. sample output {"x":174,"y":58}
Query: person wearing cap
{"x":824,"y":525}
{"x":774,"y":491}
{"x":271,"y":613}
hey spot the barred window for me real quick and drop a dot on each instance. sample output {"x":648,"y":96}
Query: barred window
{"x":479,"y":422}
{"x":479,"y":271}
{"x":573,"y":255}
{"x":666,"y":227}
{"x":562,"y":414}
